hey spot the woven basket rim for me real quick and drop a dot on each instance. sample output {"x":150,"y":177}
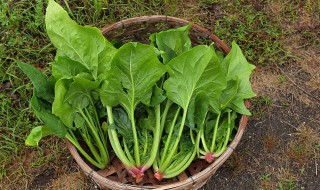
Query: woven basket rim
{"x":206,"y":173}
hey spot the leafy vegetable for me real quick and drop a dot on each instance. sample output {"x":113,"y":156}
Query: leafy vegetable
{"x":134,"y":71}
{"x":160,"y":105}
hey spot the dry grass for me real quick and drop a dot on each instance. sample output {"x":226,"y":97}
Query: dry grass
{"x":302,"y":148}
{"x":72,"y":181}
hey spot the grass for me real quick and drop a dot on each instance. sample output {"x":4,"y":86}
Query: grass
{"x":269,"y":31}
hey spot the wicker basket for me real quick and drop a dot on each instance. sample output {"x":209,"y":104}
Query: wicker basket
{"x":116,"y":176}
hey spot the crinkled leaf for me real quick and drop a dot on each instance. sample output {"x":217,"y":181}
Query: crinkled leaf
{"x":122,"y":124}
{"x":63,"y":66}
{"x":185,"y":143}
{"x":134,"y":71}
{"x":173,"y":42}
{"x":79,"y":92}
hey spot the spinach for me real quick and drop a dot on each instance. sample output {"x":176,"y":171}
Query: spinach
{"x":134,"y":71}
{"x":161,"y":105}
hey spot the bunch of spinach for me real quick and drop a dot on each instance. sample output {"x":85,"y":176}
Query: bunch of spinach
{"x":68,"y":103}
{"x":160,"y":105}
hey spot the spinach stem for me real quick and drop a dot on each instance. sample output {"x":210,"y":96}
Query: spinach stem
{"x":115,"y":143}
{"x":130,"y":158}
{"x":167,"y":144}
{"x":156,"y":140}
{"x":77,"y":145}
{"x":165,"y":113}
{"x":183,"y":164}
{"x":166,"y":163}
{"x":215,"y":133}
{"x":192,"y":137}
{"x":203,"y":140}
{"x":224,"y":147}
{"x":104,"y":154}
{"x":135,"y":138}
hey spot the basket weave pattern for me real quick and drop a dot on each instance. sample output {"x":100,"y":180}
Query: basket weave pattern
{"x":199,"y":172}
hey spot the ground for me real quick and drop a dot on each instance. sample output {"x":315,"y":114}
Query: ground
{"x":281,"y":146}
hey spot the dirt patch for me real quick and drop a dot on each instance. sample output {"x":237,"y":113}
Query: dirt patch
{"x":275,"y":149}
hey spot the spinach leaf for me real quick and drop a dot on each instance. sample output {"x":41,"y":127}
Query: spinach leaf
{"x":235,"y":65}
{"x":134,"y":71}
{"x":37,"y":134}
{"x":65,"y":67}
{"x":80,"y":43}
{"x":42,"y":84}
{"x":192,"y":75}
{"x":172,"y":42}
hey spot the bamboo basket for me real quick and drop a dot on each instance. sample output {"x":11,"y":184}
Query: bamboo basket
{"x":199,"y":172}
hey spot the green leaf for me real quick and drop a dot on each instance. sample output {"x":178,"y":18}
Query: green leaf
{"x":80,"y":43}
{"x":44,"y":114}
{"x":157,"y":96}
{"x":44,"y":87}
{"x":173,"y":42}
{"x":134,"y":71}
{"x":229,"y":94}
{"x":37,"y":134}
{"x":66,"y":67}
{"x":79,"y":92}
{"x":239,"y":106}
{"x":59,"y":107}
{"x":235,"y":65}
{"x":192,"y":75}
{"x":201,"y":108}
{"x":105,"y":58}
{"x":123,"y":124}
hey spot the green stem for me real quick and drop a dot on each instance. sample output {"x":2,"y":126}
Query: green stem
{"x":102,"y":149}
{"x":175,"y":146}
{"x":165,"y":113}
{"x":215,"y":133}
{"x":156,"y":140}
{"x":135,"y":138}
{"x":184,"y":164}
{"x":101,"y":132}
{"x":115,"y":143}
{"x":166,"y":146}
{"x":224,"y":147}
{"x":145,"y":148}
{"x":77,"y":145}
{"x":85,"y":135}
{"x":203,"y":140}
{"x":127,"y":151}
{"x":192,"y":137}
{"x":180,"y":164}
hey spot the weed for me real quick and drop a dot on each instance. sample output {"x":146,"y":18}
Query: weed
{"x":261,"y":106}
{"x":266,"y":177}
{"x":288,"y":184}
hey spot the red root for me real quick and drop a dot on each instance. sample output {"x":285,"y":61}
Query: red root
{"x":209,"y":157}
{"x":158,"y":175}
{"x":137,"y":173}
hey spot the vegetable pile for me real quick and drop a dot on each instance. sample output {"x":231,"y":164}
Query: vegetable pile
{"x":160,"y":105}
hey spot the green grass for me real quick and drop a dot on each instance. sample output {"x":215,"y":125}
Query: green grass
{"x":258,"y":31}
